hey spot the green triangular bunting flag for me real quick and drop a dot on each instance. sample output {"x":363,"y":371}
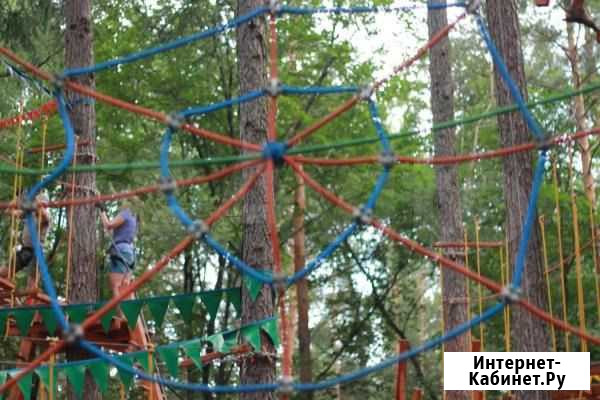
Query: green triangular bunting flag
{"x":77,"y":313}
{"x":253,"y":286}
{"x":23,"y":317}
{"x":49,"y":320}
{"x":2,"y":377}
{"x":76,"y":376}
{"x":44,"y":374}
{"x":3,"y":318}
{"x":211,"y":301}
{"x":158,"y":309}
{"x":185,"y":305}
{"x":142,"y":359}
{"x":131,"y":309}
{"x":235,"y":297}
{"x":230,"y":343}
{"x":24,"y":385}
{"x":99,"y":371}
{"x":106,"y":319}
{"x":252,"y":335}
{"x":125,"y":376}
{"x":217,"y":342}
{"x":170,"y":355}
{"x":272,"y":329}
{"x":192,"y":349}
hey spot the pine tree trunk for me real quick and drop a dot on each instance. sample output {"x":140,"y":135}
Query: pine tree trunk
{"x":454,"y":285}
{"x":528,"y":332}
{"x":302,"y":294}
{"x":256,"y":246}
{"x":83,"y":280}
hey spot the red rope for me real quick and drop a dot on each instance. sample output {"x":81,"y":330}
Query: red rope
{"x":446,"y":160}
{"x":143,"y":190}
{"x":354,"y":100}
{"x":443,"y":261}
{"x":147,"y":112}
{"x":220,"y":212}
{"x":47,"y":109}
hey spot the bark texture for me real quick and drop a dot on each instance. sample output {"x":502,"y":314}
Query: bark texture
{"x":454,"y":292}
{"x":527,"y":332}
{"x":83,"y":285}
{"x":256,"y":246}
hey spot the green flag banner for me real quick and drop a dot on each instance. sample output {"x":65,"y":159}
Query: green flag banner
{"x":76,"y":376}
{"x":221,"y":342}
{"x":44,"y":374}
{"x":253,"y":286}
{"x":23,"y":318}
{"x":272,"y":329}
{"x":100,"y":372}
{"x":131,"y":309}
{"x":107,"y":318}
{"x":235,"y":298}
{"x":158,"y":309}
{"x":252,"y":335}
{"x":185,"y":305}
{"x":170,"y":355}
{"x":3,"y":319}
{"x":24,"y":385}
{"x":211,"y":301}
{"x":192,"y":349}
{"x":49,"y":320}
{"x":125,"y":376}
{"x":157,"y":306}
{"x":77,"y":312}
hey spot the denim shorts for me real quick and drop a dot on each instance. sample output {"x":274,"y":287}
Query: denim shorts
{"x":121,"y":258}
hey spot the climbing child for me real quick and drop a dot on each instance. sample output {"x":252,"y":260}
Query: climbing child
{"x":24,"y":256}
{"x":121,"y":254}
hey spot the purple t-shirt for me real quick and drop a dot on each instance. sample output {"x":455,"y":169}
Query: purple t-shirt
{"x":127,"y":230}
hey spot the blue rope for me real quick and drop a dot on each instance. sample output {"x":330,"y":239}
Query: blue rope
{"x":302,"y":387}
{"x":324,"y":255}
{"x":538,"y":180}
{"x":184,"y":41}
{"x":383,"y":136}
{"x":362,"y":9}
{"x":531,"y":122}
{"x":223,"y":104}
{"x":303,"y":90}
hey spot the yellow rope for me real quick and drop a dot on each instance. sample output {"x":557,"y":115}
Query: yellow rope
{"x":547,"y":276}
{"x":479,"y":289}
{"x":561,"y":259}
{"x":578,"y":269}
{"x":595,"y":256}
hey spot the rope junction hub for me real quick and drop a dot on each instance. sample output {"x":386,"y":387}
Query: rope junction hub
{"x":275,"y":151}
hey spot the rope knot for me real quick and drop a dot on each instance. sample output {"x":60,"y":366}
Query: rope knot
{"x":285,"y":384}
{"x":275,"y":151}
{"x":510,"y":294}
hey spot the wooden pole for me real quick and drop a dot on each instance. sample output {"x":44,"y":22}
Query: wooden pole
{"x":403,"y":345}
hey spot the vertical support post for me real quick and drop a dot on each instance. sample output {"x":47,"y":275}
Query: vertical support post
{"x":403,"y":345}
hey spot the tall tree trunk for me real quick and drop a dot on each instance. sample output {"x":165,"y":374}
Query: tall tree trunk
{"x":528,"y":333}
{"x":83,"y":280}
{"x":454,"y":292}
{"x":256,"y":246}
{"x":585,"y":149}
{"x":302,"y":294}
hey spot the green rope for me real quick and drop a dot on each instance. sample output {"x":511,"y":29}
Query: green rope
{"x":8,"y":169}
